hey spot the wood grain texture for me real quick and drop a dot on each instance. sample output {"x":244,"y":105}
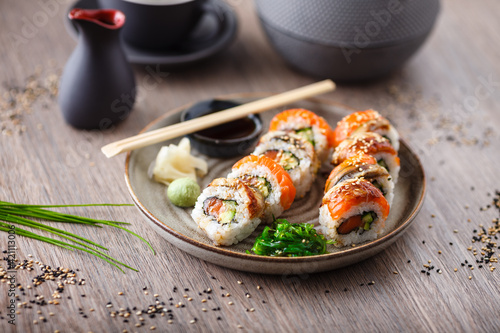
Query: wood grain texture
{"x":432,"y":103}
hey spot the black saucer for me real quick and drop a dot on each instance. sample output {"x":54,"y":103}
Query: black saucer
{"x":213,"y":34}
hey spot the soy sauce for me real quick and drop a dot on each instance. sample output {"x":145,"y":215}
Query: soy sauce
{"x":235,"y":129}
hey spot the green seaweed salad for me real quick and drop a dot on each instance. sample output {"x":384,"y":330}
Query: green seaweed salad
{"x":284,"y":239}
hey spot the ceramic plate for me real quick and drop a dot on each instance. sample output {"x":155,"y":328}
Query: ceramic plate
{"x":177,"y":227}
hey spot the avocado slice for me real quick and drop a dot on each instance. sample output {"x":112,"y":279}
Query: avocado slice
{"x":259,"y":183}
{"x":223,"y":211}
{"x":368,"y":219}
{"x":229,"y":211}
{"x":307,"y":133}
{"x":288,"y":160}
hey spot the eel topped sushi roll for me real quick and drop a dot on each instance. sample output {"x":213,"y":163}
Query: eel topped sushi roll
{"x":295,"y":154}
{"x":365,"y":121}
{"x":270,"y":179}
{"x":366,"y":167}
{"x":228,"y":210}
{"x":372,"y":144}
{"x":353,"y":211}
{"x":307,"y":124}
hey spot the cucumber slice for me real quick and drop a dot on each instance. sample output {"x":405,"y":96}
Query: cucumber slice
{"x":259,"y":183}
{"x":264,"y":186}
{"x":368,"y":219}
{"x":307,"y":133}
{"x":288,"y":160}
{"x":383,"y":164}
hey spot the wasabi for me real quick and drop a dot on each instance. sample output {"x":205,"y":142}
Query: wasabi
{"x":183,"y":192}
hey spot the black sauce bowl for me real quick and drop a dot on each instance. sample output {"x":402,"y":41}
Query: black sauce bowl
{"x":225,"y":140}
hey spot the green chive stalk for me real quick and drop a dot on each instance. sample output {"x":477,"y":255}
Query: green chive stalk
{"x":21,"y":214}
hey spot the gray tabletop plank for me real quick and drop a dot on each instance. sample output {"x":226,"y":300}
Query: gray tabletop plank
{"x":433,"y":103}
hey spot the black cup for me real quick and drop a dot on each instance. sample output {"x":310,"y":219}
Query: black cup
{"x":158,"y":24}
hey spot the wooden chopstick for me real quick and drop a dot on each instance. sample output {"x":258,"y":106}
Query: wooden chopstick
{"x":197,"y":124}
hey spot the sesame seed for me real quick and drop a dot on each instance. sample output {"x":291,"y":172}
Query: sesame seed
{"x":152,"y":328}
{"x":394,"y":272}
{"x":239,"y":282}
{"x":120,"y":293}
{"x":230,"y":303}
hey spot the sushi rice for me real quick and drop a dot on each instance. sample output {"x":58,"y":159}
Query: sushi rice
{"x":248,"y":210}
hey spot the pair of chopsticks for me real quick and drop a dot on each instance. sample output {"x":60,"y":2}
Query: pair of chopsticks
{"x":198,"y":124}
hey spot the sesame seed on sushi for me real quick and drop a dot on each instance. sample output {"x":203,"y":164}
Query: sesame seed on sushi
{"x":366,"y":167}
{"x":372,"y":144}
{"x":352,"y":212}
{"x":365,"y":121}
{"x":270,"y":179}
{"x":228,"y":211}
{"x":295,"y":154}
{"x":307,"y":124}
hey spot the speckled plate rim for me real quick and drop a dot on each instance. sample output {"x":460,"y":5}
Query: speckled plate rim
{"x":226,"y":251}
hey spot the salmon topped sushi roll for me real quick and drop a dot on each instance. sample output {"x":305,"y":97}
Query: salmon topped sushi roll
{"x":270,"y":179}
{"x":353,"y":211}
{"x":365,"y":121}
{"x":295,"y":154}
{"x":307,"y":124}
{"x":228,"y":210}
{"x":366,"y":167}
{"x":371,"y":144}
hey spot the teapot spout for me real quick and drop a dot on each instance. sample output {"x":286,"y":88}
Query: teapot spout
{"x":107,"y":18}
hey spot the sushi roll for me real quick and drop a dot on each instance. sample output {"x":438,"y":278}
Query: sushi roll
{"x":295,"y":154}
{"x":372,"y":144}
{"x":366,"y":167}
{"x":270,"y":179}
{"x":307,"y":124}
{"x":228,"y":210}
{"x":365,"y":121}
{"x":353,"y":211}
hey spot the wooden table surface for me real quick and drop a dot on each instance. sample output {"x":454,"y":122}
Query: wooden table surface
{"x":444,"y":102}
